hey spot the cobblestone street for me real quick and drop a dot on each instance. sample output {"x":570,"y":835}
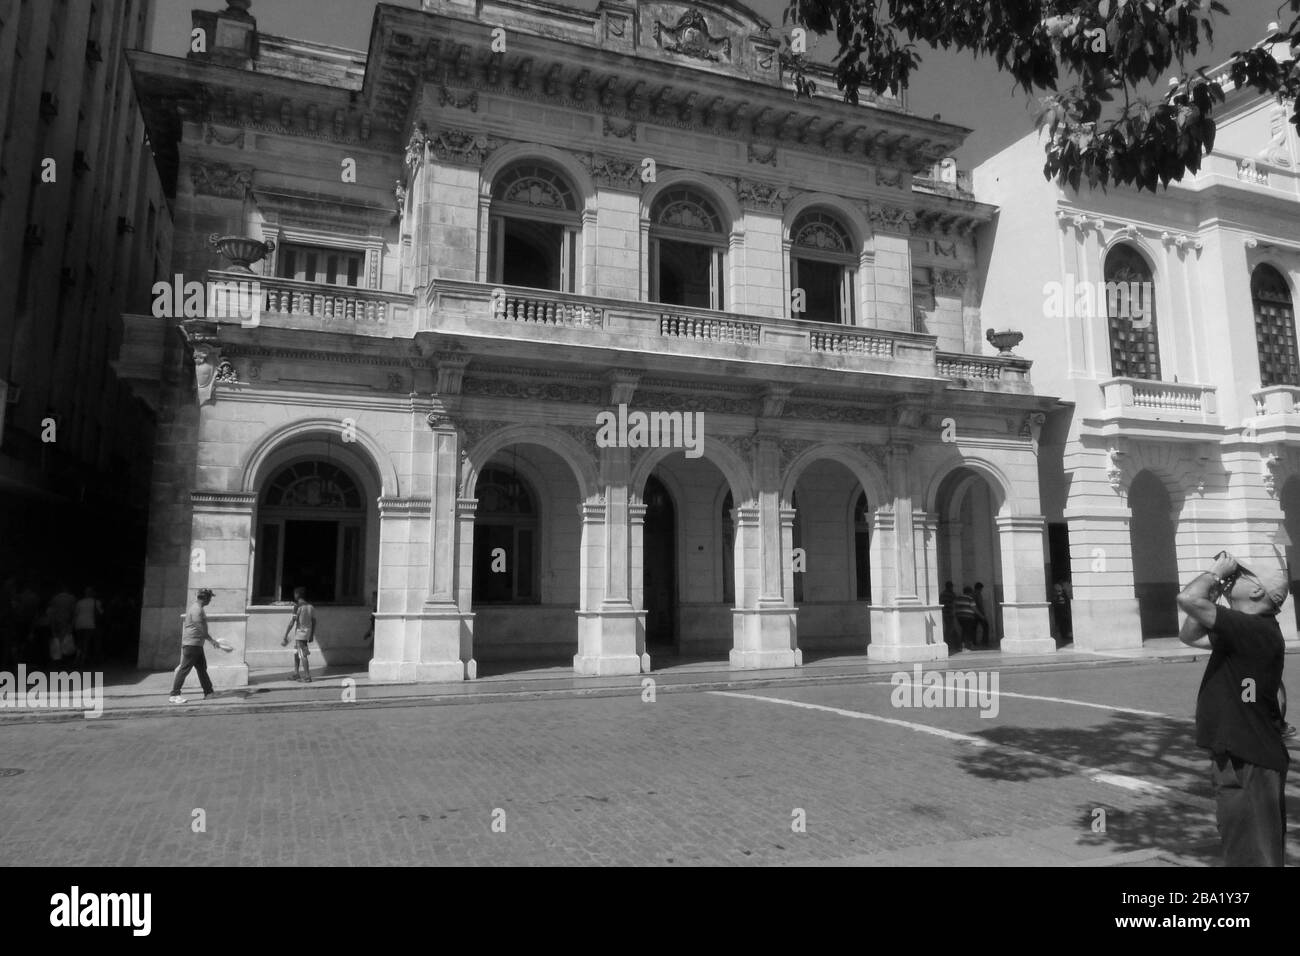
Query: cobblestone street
{"x":692,"y":778}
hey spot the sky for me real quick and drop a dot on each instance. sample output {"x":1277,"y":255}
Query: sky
{"x":962,"y":90}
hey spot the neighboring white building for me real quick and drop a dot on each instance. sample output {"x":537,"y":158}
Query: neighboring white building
{"x":1183,"y":437}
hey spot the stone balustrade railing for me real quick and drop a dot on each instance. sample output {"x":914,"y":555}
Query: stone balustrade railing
{"x":1160,"y":397}
{"x":484,"y":309}
{"x":309,"y":304}
{"x":1276,"y":400}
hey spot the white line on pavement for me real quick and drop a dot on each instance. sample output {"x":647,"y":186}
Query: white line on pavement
{"x":858,"y":715}
{"x":1123,"y":781}
{"x":1079,"y":703}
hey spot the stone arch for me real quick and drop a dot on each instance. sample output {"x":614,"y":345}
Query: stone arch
{"x":576,"y":455}
{"x":999,"y":484}
{"x":505,"y":157}
{"x":853,"y":218}
{"x":727,"y":204}
{"x":869,"y":475}
{"x":253,"y":467}
{"x":1165,"y":464}
{"x":733,"y":468}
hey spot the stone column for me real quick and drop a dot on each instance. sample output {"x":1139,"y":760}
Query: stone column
{"x":1025,"y":627}
{"x":440,"y":646}
{"x":767,"y":635}
{"x":220,"y":558}
{"x":910,"y":629}
{"x":404,"y":538}
{"x":608,"y":636}
{"x":636,"y":520}
{"x":1105,"y":607}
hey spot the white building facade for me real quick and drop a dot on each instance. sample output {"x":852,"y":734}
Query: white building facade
{"x":1166,"y":323}
{"x":613,"y":213}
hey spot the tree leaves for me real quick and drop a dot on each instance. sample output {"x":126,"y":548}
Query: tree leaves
{"x":1038,"y":42}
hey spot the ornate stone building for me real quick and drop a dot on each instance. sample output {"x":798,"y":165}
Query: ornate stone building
{"x":1179,"y":437}
{"x":507,"y":219}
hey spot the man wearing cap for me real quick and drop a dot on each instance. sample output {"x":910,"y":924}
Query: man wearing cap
{"x":1237,"y":713}
{"x":194,"y":633}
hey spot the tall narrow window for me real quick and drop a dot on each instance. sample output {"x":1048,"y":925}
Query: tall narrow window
{"x":688,"y":251}
{"x":1131,"y":314}
{"x":534,"y":225}
{"x":505,"y":540}
{"x":311,"y":534}
{"x":1274,"y":328}
{"x":822,"y":268}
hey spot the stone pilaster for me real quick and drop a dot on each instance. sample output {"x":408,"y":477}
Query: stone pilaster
{"x":220,"y":531}
{"x":1025,"y":625}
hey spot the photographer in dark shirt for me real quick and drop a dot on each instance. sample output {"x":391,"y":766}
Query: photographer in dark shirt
{"x":1237,"y":712}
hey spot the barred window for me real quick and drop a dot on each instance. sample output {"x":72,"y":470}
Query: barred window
{"x":1274,"y":328}
{"x":1134,"y":346}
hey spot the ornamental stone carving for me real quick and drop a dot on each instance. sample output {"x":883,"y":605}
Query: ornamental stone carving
{"x":742,"y":445}
{"x":475,"y":431}
{"x":949,"y":282}
{"x":220,"y":179}
{"x":679,"y":402}
{"x":762,"y":196}
{"x":534,"y":391}
{"x":892,"y":218}
{"x":463,"y":146}
{"x":621,"y":130}
{"x":690,"y":36}
{"x":612,"y":171}
{"x":836,"y":413}
{"x":465,"y":101}
{"x":763,"y":156}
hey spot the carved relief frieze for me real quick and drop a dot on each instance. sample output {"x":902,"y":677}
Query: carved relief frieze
{"x":850,"y":414}
{"x":691,"y":36}
{"x":462,"y":101}
{"x":533,"y":391}
{"x":892,"y":219}
{"x":221,"y":179}
{"x":621,"y":129}
{"x":764,"y":155}
{"x":762,"y":196}
{"x":949,"y":282}
{"x":463,"y":146}
{"x":687,"y":402}
{"x":612,"y":171}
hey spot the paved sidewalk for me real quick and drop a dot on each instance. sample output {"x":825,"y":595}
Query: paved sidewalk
{"x":131,"y":693}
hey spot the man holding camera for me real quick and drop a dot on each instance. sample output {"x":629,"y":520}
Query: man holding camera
{"x":1238,"y":718}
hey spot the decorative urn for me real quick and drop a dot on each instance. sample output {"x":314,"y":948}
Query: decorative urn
{"x":241,"y":251}
{"x":1004,"y":341}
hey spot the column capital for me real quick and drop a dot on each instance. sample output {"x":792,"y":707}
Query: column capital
{"x":466,"y":507}
{"x":392,"y":507}
{"x":223,"y":501}
{"x":1020,"y":522}
{"x":592,"y":511}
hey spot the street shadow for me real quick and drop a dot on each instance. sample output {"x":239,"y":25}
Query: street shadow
{"x":1161,"y":750}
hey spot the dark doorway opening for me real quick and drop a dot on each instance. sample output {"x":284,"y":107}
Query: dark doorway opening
{"x":310,"y":559}
{"x":1155,"y":561}
{"x":659,"y":548}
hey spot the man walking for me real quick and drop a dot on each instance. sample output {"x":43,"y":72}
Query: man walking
{"x":967,"y":615}
{"x":1237,"y":714}
{"x":303,"y":626}
{"x":194,"y":633}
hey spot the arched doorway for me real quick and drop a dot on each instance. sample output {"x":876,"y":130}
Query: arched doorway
{"x":1155,"y":559}
{"x":660,"y":569}
{"x":970,"y":547}
{"x":527,"y":560}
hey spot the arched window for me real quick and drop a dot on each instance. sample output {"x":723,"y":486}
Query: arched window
{"x":1274,"y":328}
{"x":822,"y":266}
{"x":1131,"y":314}
{"x":312,"y":520}
{"x":505,"y":540}
{"x":688,"y":250}
{"x":534,"y":225}
{"x":862,"y":547}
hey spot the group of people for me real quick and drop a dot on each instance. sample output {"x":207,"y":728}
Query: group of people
{"x":965,"y":619}
{"x":59,"y":631}
{"x":194,"y":636}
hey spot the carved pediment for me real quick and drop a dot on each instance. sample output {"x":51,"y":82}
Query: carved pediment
{"x":690,"y":36}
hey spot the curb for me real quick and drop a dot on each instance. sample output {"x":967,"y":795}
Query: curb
{"x":662,"y":685}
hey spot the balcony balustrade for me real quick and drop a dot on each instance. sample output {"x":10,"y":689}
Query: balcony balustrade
{"x":290,"y":303}
{"x":1159,"y":401}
